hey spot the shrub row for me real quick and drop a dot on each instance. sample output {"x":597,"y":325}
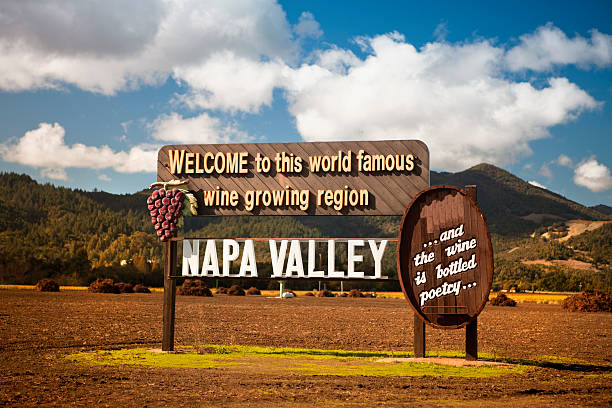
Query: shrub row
{"x":196,"y":287}
{"x":109,"y":286}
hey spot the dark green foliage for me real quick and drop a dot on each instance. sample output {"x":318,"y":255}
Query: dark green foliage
{"x":55,"y":232}
{"x":555,"y":250}
{"x":515,"y":275}
{"x":508,"y":275}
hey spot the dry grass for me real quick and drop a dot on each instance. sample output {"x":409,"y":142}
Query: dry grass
{"x":64,"y":288}
{"x":541,"y":298}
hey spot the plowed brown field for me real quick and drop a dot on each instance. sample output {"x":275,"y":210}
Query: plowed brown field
{"x":38,"y":329}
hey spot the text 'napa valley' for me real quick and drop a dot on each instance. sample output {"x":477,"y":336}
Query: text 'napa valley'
{"x":289,"y":258}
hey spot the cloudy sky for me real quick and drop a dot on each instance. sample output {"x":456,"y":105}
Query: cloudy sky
{"x":89,"y":91}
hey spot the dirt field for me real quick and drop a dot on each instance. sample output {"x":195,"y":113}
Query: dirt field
{"x":569,"y":355}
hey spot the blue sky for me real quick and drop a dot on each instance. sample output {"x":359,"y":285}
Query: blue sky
{"x":89,"y":92}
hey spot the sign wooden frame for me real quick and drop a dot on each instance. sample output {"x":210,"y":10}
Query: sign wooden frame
{"x":351,"y":178}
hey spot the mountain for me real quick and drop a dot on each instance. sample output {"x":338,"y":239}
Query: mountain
{"x":513,"y":206}
{"x":604,"y":209}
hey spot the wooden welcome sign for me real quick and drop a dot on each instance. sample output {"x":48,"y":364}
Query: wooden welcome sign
{"x":323,"y":178}
{"x":444,"y":257}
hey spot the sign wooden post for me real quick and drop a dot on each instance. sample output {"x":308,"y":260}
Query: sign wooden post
{"x":471,"y":330}
{"x":445,"y":262}
{"x":170,"y":258}
{"x":419,"y":337}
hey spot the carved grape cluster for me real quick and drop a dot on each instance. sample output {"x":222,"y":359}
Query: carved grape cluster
{"x":165,"y":207}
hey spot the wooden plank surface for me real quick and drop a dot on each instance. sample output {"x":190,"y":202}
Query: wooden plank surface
{"x":440,"y":209}
{"x":389,"y":191}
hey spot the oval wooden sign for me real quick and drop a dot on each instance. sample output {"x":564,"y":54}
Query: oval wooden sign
{"x":444,"y":257}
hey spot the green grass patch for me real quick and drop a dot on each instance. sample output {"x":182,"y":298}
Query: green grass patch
{"x":408,"y":369}
{"x":559,"y":359}
{"x":301,"y":361}
{"x":142,"y":357}
{"x":291,"y":352}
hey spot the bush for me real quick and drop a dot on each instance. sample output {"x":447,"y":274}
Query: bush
{"x":326,"y":293}
{"x":221,"y":291}
{"x":47,"y":285}
{"x":124,"y":287}
{"x":141,"y":289}
{"x":194,"y":287}
{"x":253,"y":291}
{"x":502,"y":300}
{"x":235,"y":290}
{"x":356,"y":293}
{"x":590,"y":300}
{"x":103,"y":286}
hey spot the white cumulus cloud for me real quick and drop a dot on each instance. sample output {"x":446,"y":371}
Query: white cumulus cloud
{"x":454,"y":97}
{"x":593,"y":175}
{"x":549,"y":47}
{"x":201,"y":129}
{"x":564,"y":160}
{"x":45,"y":148}
{"x":230,"y":82}
{"x":109,"y":46}
{"x":462,"y":99}
{"x":545,"y":171}
{"x":307,"y":26}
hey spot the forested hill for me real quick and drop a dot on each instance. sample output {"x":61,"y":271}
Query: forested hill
{"x":44,"y":228}
{"x":513,"y":206}
{"x":47,"y":230}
